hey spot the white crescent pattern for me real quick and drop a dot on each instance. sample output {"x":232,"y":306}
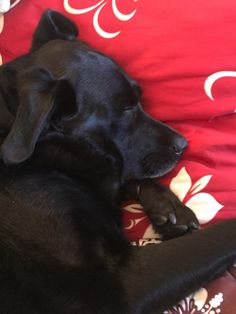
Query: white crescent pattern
{"x":71,"y":10}
{"x":119,"y":15}
{"x":213,"y":78}
{"x":98,"y":28}
{"x":99,"y":6}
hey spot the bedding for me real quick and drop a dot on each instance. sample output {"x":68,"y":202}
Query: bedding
{"x":183,"y":54}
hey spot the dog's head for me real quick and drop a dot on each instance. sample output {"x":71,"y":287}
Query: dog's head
{"x":65,"y":85}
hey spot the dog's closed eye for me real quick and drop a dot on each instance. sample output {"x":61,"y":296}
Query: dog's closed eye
{"x":130,"y":107}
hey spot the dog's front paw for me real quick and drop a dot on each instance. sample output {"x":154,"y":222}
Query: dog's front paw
{"x":169,"y":216}
{"x":174,"y":220}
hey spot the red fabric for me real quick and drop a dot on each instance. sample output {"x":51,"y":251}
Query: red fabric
{"x":171,"y":48}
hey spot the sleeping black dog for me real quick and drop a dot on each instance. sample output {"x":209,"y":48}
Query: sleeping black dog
{"x":75,"y":142}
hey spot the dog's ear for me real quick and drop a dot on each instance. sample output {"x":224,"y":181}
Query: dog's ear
{"x":53,"y":25}
{"x":40,"y":98}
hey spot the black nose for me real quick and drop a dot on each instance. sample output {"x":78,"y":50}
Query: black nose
{"x":179,"y":144}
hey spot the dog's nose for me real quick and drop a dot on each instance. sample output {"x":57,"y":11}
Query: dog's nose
{"x":180,"y":143}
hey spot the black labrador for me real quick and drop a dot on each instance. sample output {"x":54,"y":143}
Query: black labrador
{"x":74,"y":143}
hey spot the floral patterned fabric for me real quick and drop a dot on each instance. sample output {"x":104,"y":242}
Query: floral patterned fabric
{"x":183,"y":54}
{"x":192,"y":194}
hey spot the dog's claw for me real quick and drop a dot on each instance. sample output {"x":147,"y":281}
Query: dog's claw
{"x":172,"y":218}
{"x":160,"y":220}
{"x":181,"y":228}
{"x":138,"y":189}
{"x":194,"y":225}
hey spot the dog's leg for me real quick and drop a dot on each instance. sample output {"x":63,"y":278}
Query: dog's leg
{"x":169,"y":216}
{"x":158,"y":276}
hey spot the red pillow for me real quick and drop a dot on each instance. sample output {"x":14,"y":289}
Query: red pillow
{"x":183,"y":54}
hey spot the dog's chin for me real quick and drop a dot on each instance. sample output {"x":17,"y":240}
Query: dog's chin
{"x":158,"y":173}
{"x":155,"y":170}
{"x":156,"y":165}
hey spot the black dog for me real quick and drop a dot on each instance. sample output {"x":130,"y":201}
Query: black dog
{"x":74,"y":143}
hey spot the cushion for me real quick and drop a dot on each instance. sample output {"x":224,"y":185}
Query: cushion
{"x":183,"y":54}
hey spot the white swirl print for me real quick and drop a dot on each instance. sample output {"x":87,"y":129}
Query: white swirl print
{"x":98,"y":7}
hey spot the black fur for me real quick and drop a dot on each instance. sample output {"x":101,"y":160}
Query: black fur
{"x":74,"y":143}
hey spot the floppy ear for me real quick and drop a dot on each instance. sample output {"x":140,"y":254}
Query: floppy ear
{"x":38,"y":97}
{"x":53,"y":25}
